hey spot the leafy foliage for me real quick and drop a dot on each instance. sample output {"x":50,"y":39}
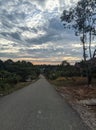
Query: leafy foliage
{"x":63,"y":70}
{"x":82,"y":18}
{"x":14,"y":72}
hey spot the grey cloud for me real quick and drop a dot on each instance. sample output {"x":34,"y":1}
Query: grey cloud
{"x":16,"y":36}
{"x":56,"y":24}
{"x":8,"y":55}
{"x":4,"y":34}
{"x":13,"y":24}
{"x":43,"y":52}
{"x":43,"y":39}
{"x":41,"y":2}
{"x":25,"y":28}
{"x":54,"y":34}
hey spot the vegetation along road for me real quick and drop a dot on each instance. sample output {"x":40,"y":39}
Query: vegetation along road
{"x":38,"y":107}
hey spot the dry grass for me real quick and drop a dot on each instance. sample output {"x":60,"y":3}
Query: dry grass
{"x":70,"y":81}
{"x":76,"y":87}
{"x":78,"y":93}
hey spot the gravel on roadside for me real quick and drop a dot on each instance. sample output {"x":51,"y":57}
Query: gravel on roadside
{"x":87,"y":116}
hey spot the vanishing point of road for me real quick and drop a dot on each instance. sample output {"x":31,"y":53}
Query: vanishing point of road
{"x":38,"y":107}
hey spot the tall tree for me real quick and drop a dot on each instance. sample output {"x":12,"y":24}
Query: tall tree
{"x":82,"y":18}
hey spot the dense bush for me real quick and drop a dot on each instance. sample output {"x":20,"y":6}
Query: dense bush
{"x":14,"y":72}
{"x":53,"y":72}
{"x":66,"y":70}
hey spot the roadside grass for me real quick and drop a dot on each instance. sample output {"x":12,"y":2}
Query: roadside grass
{"x":76,"y":87}
{"x":69,"y":81}
{"x":11,"y":88}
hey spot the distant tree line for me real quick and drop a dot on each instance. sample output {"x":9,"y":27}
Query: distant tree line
{"x":66,"y":70}
{"x":63,"y":70}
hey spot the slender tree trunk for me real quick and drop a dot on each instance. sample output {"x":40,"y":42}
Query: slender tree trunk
{"x":90,"y":44}
{"x":84,"y":48}
{"x":90,"y":61}
{"x":89,"y":75}
{"x":87,"y":64}
{"x":94,"y":54}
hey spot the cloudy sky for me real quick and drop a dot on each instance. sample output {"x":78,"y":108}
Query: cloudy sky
{"x":31,"y":30}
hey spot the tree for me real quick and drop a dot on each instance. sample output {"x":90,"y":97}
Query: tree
{"x":1,"y":65}
{"x":82,"y":19}
{"x":65,"y":63}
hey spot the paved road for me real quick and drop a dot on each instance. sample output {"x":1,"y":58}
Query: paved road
{"x":38,"y":107}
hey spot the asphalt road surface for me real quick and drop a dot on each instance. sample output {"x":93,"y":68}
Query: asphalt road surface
{"x":38,"y":107}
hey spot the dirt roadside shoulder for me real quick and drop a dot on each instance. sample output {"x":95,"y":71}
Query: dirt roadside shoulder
{"x":83,"y":100}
